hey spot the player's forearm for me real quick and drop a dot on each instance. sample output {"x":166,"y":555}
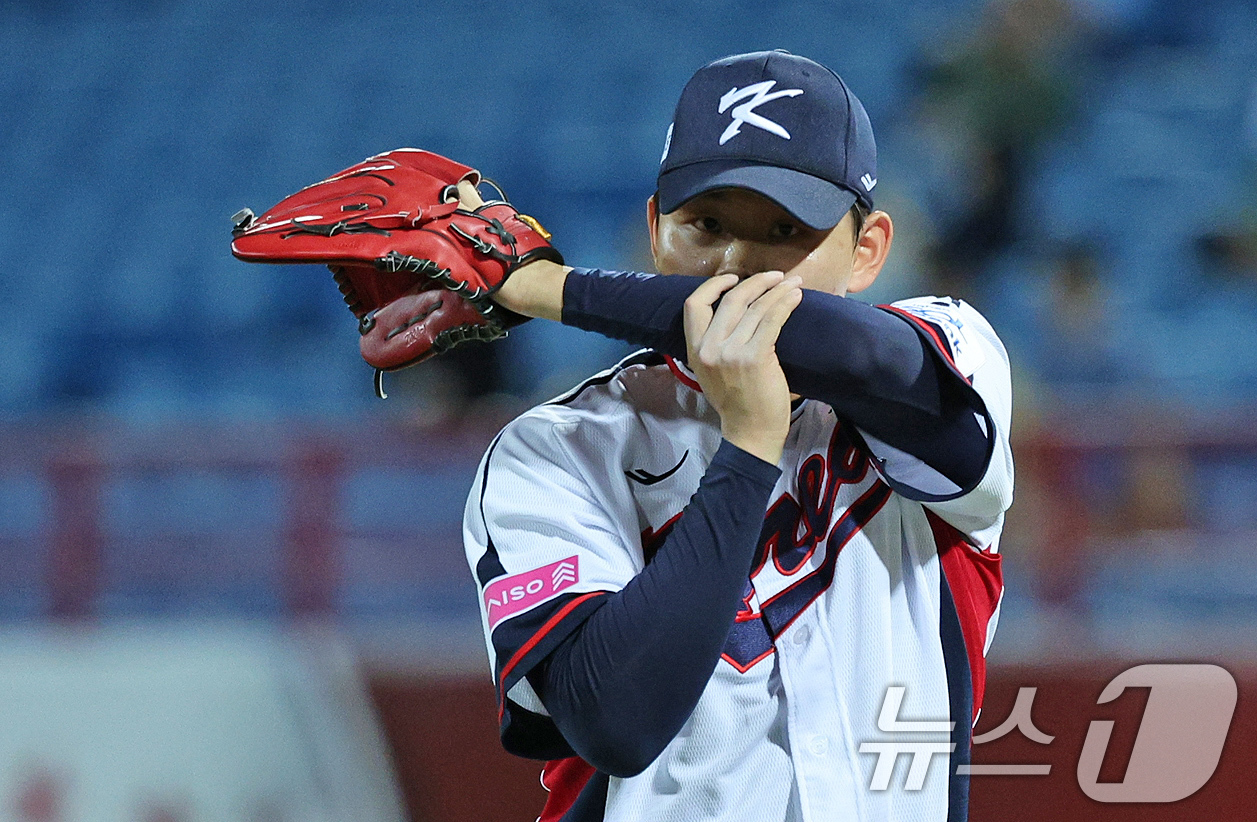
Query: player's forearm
{"x":623,"y":685}
{"x":830,"y":347}
{"x":535,"y":290}
{"x":868,"y":364}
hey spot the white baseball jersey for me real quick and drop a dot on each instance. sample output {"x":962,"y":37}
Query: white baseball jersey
{"x":873,"y":571}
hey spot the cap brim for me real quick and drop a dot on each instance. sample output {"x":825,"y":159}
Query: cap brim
{"x":818,"y":203}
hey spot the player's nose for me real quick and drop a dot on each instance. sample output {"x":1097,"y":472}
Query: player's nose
{"x":737,"y":257}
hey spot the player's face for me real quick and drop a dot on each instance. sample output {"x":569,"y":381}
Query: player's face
{"x":735,"y":231}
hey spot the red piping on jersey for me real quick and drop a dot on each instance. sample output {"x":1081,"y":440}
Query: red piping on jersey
{"x":745,"y":612}
{"x":743,"y":669}
{"x":566,"y":779}
{"x":939,"y":343}
{"x":532,"y":643}
{"x":681,"y":375}
{"x":976,"y":582}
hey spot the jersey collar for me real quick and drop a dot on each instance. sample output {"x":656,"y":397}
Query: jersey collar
{"x":682,"y":373}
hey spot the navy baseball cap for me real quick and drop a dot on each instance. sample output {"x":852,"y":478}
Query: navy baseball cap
{"x":775,"y":123}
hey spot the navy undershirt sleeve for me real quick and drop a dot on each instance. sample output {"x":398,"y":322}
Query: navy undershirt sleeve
{"x":871,"y":366}
{"x":621,"y":686}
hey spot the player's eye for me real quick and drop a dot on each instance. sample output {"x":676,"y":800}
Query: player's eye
{"x":710,"y":225}
{"x":782,"y":231}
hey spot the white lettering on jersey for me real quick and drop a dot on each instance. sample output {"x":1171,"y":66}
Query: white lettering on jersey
{"x":745,"y":113}
{"x":506,"y":597}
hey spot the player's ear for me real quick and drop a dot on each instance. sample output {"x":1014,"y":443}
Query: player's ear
{"x":652,"y":222}
{"x":871,"y":249}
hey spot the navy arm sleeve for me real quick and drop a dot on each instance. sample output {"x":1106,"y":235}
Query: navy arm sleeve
{"x":621,"y":686}
{"x":873,"y":367}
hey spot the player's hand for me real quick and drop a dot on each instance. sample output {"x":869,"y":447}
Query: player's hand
{"x":535,"y":289}
{"x":469,"y":196}
{"x":732,"y":349}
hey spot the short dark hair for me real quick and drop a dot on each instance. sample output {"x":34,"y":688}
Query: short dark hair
{"x":859,"y":212}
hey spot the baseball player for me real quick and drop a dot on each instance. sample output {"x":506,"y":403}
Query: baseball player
{"x":705,"y":572}
{"x":742,"y":572}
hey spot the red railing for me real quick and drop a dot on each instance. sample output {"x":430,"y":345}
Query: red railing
{"x":1056,"y":515}
{"x":1149,"y":459}
{"x":70,"y":469}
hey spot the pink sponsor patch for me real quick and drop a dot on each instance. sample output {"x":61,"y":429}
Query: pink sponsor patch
{"x":506,"y":597}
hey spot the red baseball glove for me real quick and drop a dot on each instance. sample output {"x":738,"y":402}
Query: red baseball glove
{"x":415,"y":266}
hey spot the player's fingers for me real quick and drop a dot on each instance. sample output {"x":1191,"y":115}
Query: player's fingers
{"x":763,"y":307}
{"x":469,"y":196}
{"x":733,"y":306}
{"x":711,"y":289}
{"x":774,"y":318}
{"x":698,"y":307}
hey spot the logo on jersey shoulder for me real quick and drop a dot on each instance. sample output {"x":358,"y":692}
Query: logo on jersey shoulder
{"x":506,"y":597}
{"x":745,"y":113}
{"x":946,"y":315}
{"x":644,"y":477}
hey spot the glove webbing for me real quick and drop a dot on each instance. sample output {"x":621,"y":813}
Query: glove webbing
{"x":445,"y":341}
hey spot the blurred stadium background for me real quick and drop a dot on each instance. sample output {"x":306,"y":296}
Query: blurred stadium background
{"x":231,"y":580}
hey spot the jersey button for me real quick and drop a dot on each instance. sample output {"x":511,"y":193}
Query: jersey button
{"x":802,"y":635}
{"x":818,"y":745}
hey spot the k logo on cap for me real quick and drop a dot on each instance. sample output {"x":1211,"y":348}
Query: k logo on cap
{"x":745,"y":113}
{"x":795,"y":133}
